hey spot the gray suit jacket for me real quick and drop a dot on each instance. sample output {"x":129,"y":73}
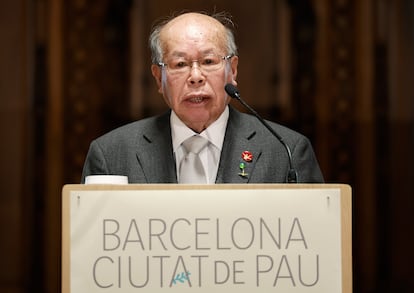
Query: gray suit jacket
{"x":142,"y":150}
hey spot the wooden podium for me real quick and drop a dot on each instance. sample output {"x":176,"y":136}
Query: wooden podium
{"x":205,"y":238}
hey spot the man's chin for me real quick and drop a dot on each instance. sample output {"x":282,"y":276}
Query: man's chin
{"x":196,"y":123}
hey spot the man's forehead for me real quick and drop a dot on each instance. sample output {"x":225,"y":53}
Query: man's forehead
{"x":193,"y":30}
{"x":194,"y":24}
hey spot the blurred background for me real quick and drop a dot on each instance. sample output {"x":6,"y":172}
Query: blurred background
{"x":339,"y":71}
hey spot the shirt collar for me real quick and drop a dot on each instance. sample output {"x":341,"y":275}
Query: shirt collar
{"x":214,"y":133}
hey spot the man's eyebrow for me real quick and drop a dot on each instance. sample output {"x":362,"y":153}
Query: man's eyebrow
{"x":178,"y":54}
{"x":184,"y":54}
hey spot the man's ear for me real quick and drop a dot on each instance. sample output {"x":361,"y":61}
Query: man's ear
{"x":234,"y":64}
{"x":156,"y":73}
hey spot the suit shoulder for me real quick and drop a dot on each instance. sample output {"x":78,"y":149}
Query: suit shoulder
{"x":284,"y":131}
{"x":131,"y":130}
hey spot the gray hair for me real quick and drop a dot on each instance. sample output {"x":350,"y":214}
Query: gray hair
{"x":223,"y":17}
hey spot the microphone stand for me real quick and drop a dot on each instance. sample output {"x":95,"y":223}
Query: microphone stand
{"x":292,"y":176}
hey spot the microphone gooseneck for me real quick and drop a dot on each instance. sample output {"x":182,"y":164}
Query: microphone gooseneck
{"x":232,"y":91}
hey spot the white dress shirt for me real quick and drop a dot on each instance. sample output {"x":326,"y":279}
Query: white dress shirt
{"x":210,"y":155}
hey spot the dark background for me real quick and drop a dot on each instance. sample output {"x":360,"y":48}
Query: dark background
{"x":339,"y":71}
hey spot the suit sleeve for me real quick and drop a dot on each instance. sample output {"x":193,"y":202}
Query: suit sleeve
{"x":95,"y":163}
{"x":305,"y":162}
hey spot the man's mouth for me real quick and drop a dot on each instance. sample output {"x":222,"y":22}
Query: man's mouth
{"x":197,"y":99}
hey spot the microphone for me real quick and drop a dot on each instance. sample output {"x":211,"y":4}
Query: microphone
{"x":232,"y":91}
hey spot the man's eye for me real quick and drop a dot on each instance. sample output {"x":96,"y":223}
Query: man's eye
{"x":209,"y":61}
{"x":178,"y":64}
{"x":181,"y":64}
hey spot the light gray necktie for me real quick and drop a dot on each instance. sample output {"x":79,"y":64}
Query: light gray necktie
{"x":191,"y":168}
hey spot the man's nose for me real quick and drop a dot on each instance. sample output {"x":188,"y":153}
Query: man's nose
{"x":196,"y":74}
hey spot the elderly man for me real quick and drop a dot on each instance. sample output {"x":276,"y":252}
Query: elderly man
{"x":201,"y":139}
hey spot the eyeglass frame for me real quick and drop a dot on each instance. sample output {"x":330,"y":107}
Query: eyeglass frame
{"x":223,"y":58}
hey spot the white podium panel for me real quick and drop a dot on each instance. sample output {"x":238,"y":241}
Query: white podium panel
{"x":205,"y":238}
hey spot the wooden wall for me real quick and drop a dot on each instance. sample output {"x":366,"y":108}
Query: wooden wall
{"x":17,"y":201}
{"x":338,"y":71}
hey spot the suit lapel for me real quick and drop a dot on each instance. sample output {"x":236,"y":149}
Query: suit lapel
{"x":240,"y":137}
{"x":155,"y":154}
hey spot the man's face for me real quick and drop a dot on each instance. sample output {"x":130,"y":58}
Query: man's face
{"x":195,"y":94}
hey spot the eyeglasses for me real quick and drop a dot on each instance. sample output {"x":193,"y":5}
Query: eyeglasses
{"x":207,"y":63}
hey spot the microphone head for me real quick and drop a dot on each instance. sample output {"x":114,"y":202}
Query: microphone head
{"x":232,"y":91}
